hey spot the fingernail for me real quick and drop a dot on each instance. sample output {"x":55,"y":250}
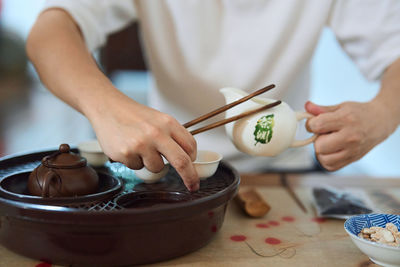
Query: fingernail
{"x":194,"y":187}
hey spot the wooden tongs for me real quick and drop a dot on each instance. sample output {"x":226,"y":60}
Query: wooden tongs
{"x":228,"y":106}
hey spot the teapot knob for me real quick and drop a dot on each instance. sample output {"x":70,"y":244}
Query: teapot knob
{"x":64,"y":148}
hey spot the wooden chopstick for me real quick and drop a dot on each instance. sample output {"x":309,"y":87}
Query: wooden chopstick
{"x":234,"y":118}
{"x":228,"y":106}
{"x":291,"y":192}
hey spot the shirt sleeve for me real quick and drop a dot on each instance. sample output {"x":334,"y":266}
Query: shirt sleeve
{"x":369,"y":32}
{"x":97,"y":18}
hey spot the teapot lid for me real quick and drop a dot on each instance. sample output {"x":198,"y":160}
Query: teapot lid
{"x":64,"y":159}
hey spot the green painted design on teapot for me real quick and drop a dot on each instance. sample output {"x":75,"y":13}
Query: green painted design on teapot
{"x":264,"y":129}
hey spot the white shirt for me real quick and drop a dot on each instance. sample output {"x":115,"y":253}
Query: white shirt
{"x":196,"y":47}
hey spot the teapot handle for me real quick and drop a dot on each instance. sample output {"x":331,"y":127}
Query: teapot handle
{"x":301,"y":115}
{"x":50,"y":175}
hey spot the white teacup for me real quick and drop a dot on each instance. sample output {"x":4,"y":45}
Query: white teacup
{"x":151,"y":177}
{"x":206,"y":165}
{"x":267,"y":133}
{"x":93,"y":153}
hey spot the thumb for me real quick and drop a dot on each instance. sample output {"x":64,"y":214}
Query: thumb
{"x":317,"y":109}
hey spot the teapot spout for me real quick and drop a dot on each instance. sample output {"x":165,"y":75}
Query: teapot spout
{"x":232,"y":94}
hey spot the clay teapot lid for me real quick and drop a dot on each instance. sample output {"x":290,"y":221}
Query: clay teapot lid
{"x":64,"y":159}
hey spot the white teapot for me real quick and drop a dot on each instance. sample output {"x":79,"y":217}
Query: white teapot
{"x":267,"y":133}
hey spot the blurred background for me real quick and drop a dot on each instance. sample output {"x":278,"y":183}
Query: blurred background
{"x":32,"y":118}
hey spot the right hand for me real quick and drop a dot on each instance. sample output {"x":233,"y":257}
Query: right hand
{"x":128,"y":132}
{"x":137,"y":136}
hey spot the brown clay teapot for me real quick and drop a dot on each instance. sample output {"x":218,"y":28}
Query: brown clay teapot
{"x":63,"y":174}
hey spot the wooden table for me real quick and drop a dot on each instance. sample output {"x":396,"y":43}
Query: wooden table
{"x":286,"y":236}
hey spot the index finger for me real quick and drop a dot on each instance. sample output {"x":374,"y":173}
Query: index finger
{"x":324,"y":123}
{"x":182,"y":163}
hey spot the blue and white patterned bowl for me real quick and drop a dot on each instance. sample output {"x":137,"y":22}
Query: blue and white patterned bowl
{"x":379,"y":253}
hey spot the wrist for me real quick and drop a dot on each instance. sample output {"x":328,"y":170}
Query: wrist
{"x":106,"y":101}
{"x":389,"y":94}
{"x":96,"y":103}
{"x":388,"y":116}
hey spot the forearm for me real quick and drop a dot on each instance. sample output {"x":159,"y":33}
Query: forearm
{"x":387,"y":100}
{"x":56,"y":48}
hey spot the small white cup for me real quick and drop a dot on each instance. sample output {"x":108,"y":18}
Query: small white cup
{"x":149,"y":177}
{"x":93,"y":153}
{"x":206,"y":163}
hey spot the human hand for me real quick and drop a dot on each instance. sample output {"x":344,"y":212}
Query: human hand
{"x":137,"y":136}
{"x":347,"y":131}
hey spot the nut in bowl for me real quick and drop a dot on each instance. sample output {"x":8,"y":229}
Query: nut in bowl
{"x":206,"y":163}
{"x":368,"y":232}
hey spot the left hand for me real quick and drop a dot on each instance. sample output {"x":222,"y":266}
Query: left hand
{"x":346,"y":131}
